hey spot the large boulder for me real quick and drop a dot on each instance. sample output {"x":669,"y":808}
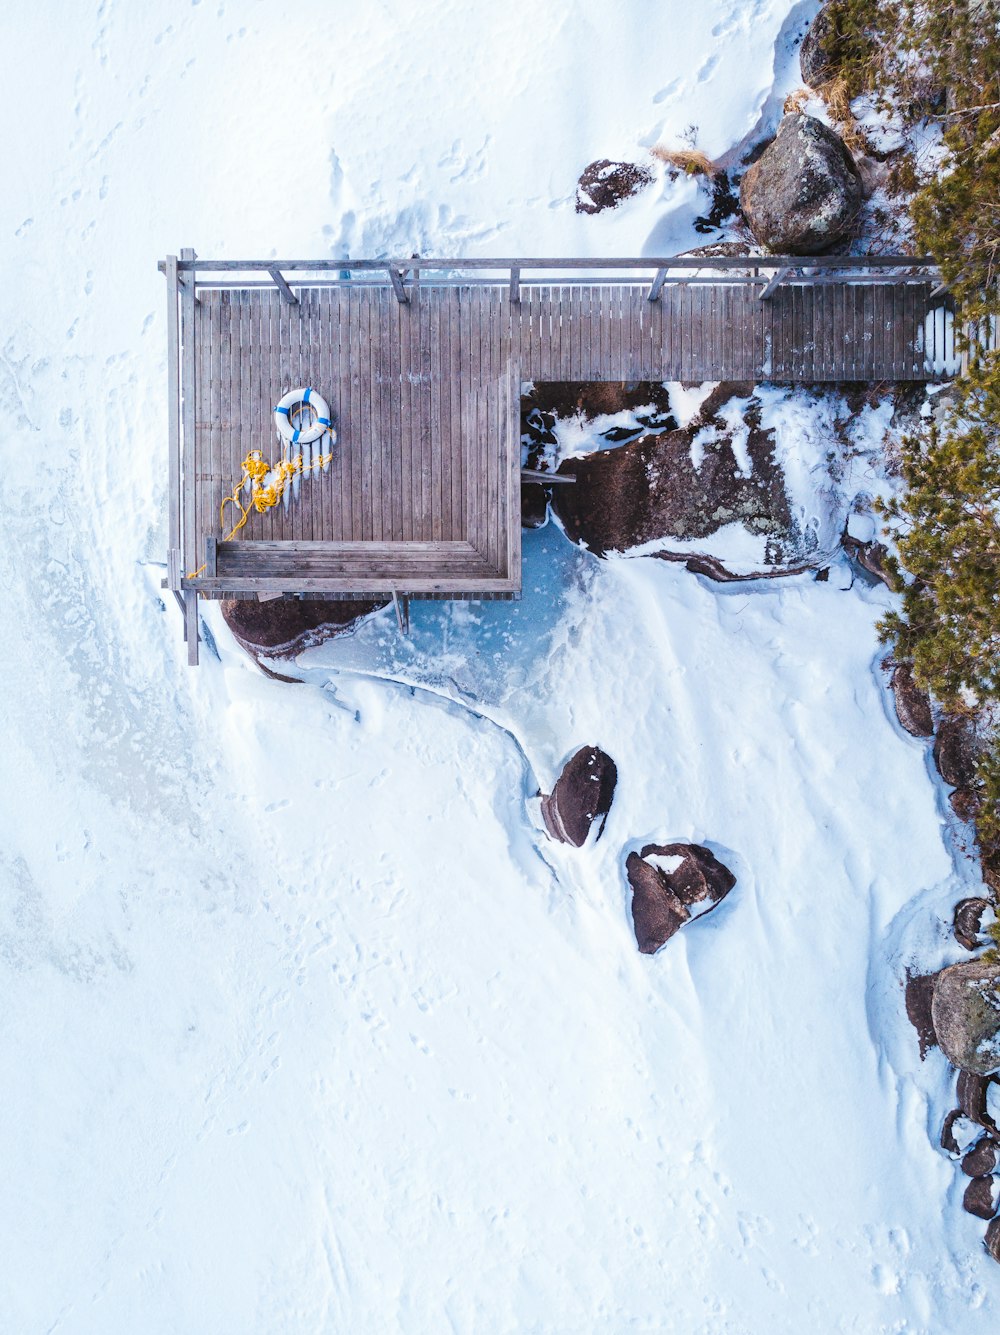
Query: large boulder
{"x":804,"y":193}
{"x":955,"y":752}
{"x":652,"y":489}
{"x":672,"y":883}
{"x":285,"y":627}
{"x":913,"y":707}
{"x":582,"y":795}
{"x":965,"y":1010}
{"x":605,"y":185}
{"x":992,"y":1240}
{"x":820,"y":50}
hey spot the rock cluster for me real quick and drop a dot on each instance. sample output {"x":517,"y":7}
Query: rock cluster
{"x":649,"y":489}
{"x":803,"y":195}
{"x":672,"y":883}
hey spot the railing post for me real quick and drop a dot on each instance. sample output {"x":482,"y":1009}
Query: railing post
{"x":657,"y":288}
{"x":515,"y":284}
{"x":396,"y":278}
{"x":773,"y":282}
{"x":282,"y":286}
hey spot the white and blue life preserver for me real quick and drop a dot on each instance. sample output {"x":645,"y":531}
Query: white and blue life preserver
{"x":291,"y":405}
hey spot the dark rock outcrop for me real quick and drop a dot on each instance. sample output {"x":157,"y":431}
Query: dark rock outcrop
{"x":649,"y":489}
{"x":980,"y":1197}
{"x":983,"y":1159}
{"x":913,"y":706}
{"x":965,"y":1009}
{"x":605,"y":185}
{"x":918,"y":993}
{"x":968,"y":921}
{"x":964,"y":802}
{"x":971,"y":1095}
{"x":820,"y":51}
{"x":534,"y":505}
{"x":804,"y":194}
{"x":285,"y":627}
{"x":664,"y":899}
{"x":582,"y":795}
{"x":992,"y":1240}
{"x":955,"y":752}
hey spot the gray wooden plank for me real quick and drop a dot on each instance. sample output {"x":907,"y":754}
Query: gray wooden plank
{"x":424,"y":421}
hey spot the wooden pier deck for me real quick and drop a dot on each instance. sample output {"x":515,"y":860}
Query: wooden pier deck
{"x":423,"y":378}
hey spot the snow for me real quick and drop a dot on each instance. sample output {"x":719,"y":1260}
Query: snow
{"x":306,"y":1024}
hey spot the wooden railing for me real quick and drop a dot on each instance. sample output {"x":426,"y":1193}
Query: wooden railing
{"x":767,"y":271}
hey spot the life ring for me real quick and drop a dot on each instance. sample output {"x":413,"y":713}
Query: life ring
{"x":296,"y":399}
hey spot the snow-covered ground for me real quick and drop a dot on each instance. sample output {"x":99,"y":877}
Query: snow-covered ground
{"x":305,"y":1026}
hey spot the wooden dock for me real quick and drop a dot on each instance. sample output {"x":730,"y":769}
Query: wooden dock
{"x":422,"y":371}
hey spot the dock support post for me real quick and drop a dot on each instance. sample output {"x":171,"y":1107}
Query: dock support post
{"x":396,"y":278}
{"x":402,"y":609}
{"x":191,"y":625}
{"x":657,"y":288}
{"x":515,"y":284}
{"x":282,"y":286}
{"x":773,"y":283}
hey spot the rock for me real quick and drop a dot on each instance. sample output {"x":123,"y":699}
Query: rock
{"x":657,"y":913}
{"x":804,"y":194}
{"x":971,"y":1095}
{"x":981,"y":1197}
{"x":605,"y":185}
{"x":992,"y":1240}
{"x":955,"y":752}
{"x":870,"y":556}
{"x":968,"y":921}
{"x":965,"y":1010}
{"x":582,"y":795}
{"x":958,"y":1133}
{"x":913,"y":706}
{"x":983,"y":1159}
{"x":918,"y":992}
{"x":649,"y":489}
{"x":285,"y":627}
{"x":819,"y":53}
{"x":534,"y":505}
{"x":671,"y":883}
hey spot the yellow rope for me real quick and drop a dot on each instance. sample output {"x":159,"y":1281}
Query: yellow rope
{"x":262,"y":497}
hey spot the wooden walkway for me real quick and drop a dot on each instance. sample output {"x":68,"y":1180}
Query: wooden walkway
{"x":422,"y":495}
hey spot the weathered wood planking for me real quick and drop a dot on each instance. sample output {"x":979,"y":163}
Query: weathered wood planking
{"x":425,"y":397}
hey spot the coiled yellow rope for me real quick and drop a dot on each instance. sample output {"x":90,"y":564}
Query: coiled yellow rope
{"x":264,"y":493}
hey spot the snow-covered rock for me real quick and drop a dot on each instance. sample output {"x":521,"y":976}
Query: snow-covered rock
{"x":581,"y":797}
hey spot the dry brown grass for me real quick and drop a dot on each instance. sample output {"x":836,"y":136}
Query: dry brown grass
{"x":688,"y":160}
{"x":796,"y":101}
{"x":837,"y":97}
